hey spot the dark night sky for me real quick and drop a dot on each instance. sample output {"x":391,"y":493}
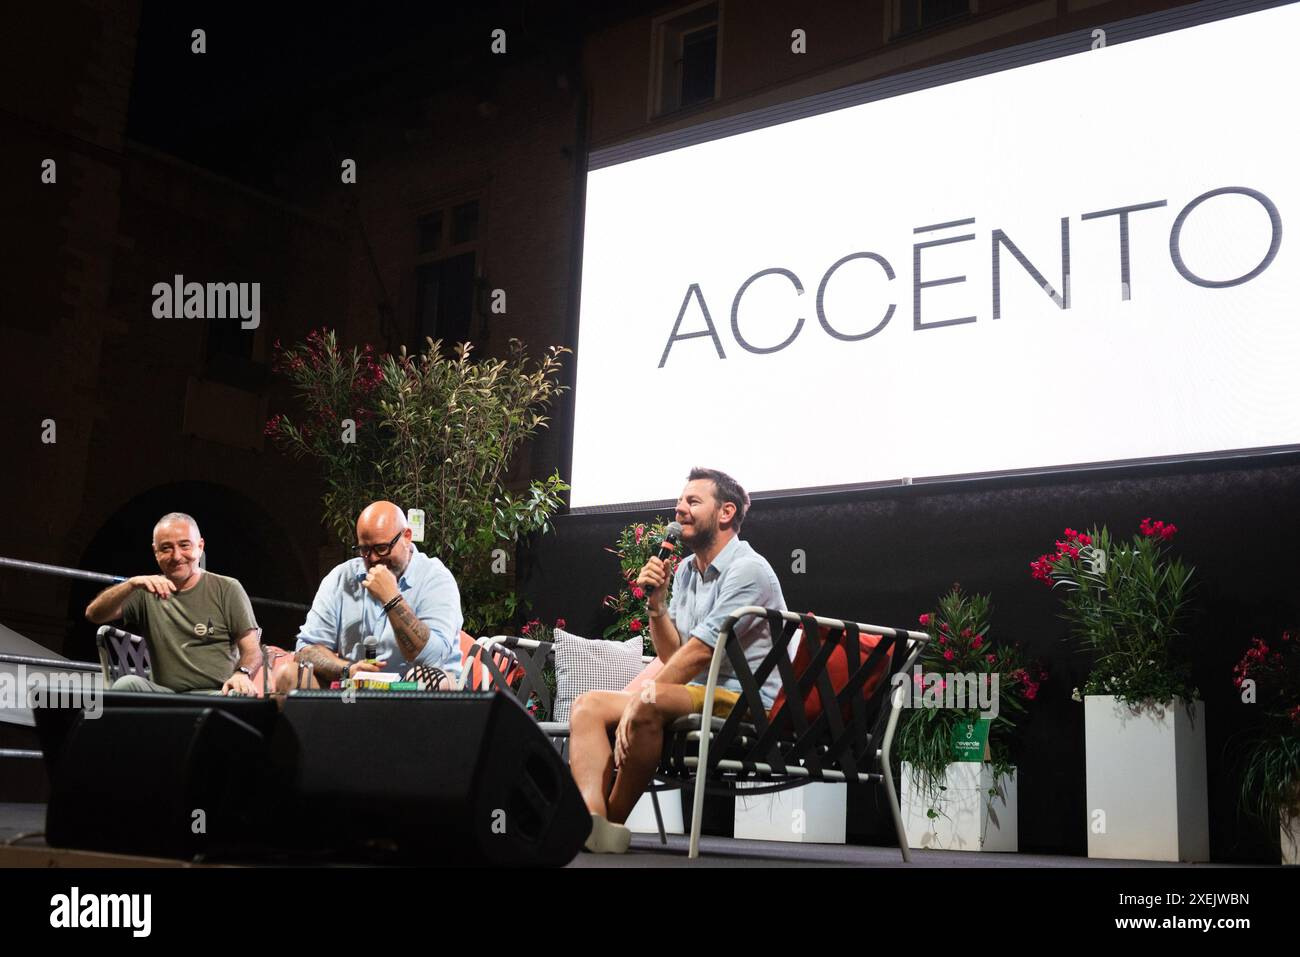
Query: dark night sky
{"x":269,"y":69}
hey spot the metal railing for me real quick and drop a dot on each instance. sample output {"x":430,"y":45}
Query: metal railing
{"x":60,"y":571}
{"x":66,"y":664}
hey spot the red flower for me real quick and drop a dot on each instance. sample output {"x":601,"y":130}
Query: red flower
{"x":966,"y":632}
{"x":640,"y":531}
{"x":990,"y":658}
{"x":924,"y":619}
{"x":638,"y":593}
{"x":1071,"y":534}
{"x":977,"y":642}
{"x":559,"y":623}
{"x":635,"y":624}
{"x":1151,"y":529}
{"x":273,"y":424}
{"x":943,"y":640}
{"x":948,"y":655}
{"x":1085,"y":539}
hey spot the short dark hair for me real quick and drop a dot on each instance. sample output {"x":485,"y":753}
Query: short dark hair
{"x":726,"y":489}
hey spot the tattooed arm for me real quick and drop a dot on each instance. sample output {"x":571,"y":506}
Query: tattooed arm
{"x":326,"y":665}
{"x":411,"y":633}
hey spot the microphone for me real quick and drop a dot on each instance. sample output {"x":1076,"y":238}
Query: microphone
{"x":371,"y":647}
{"x":672,"y":536}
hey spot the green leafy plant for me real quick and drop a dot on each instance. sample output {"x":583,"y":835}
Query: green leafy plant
{"x":434,"y":432}
{"x":1125,"y":603}
{"x":961,"y":648}
{"x":333,"y":386}
{"x":636,"y":543}
{"x":1270,"y":779}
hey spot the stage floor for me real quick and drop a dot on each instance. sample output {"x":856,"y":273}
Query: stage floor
{"x":17,"y":820}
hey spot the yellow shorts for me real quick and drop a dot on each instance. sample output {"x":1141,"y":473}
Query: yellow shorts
{"x":723,"y":700}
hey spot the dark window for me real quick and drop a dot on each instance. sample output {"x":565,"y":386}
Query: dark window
{"x":687,"y":45}
{"x":445,"y":299}
{"x":699,"y":65}
{"x":226,"y":338}
{"x":919,"y":14}
{"x":464,"y":222}
{"x":431,"y":232}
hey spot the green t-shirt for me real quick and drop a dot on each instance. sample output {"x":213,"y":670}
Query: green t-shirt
{"x":193,"y":634}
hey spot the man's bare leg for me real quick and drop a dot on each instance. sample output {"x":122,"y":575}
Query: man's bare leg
{"x":654,"y":709}
{"x":592,"y":722}
{"x":285,"y":677}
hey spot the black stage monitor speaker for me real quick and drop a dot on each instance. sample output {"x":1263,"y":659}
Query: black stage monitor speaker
{"x":175,"y":781}
{"x":461,"y":778}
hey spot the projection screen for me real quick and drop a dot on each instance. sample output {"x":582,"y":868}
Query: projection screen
{"x":1060,"y":264}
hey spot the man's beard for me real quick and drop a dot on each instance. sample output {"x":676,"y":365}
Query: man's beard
{"x":704,"y":538}
{"x":391,"y":565}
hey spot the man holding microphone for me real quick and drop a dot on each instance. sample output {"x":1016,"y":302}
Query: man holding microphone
{"x":616,"y":738}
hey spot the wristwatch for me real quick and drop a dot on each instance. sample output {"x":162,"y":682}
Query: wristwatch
{"x":245,"y":671}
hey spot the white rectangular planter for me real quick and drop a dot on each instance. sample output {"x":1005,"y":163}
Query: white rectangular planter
{"x":642,"y":818}
{"x":1146,"y":790}
{"x":813,"y":814}
{"x":969,"y":818}
{"x":1290,"y":845}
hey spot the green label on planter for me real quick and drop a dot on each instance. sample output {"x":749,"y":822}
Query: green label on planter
{"x":970,"y":741}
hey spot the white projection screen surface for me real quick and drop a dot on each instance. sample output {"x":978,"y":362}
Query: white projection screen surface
{"x":1085,"y":260}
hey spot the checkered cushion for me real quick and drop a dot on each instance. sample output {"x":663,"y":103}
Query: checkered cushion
{"x":584,"y":665}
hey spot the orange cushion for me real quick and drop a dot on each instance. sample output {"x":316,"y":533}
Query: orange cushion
{"x":471,"y":669}
{"x":837,"y":669}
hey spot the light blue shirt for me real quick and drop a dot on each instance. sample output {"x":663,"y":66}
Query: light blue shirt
{"x":344,"y":613}
{"x":701,"y":602}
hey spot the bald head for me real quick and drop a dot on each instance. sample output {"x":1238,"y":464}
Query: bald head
{"x":380,"y":517}
{"x":377,"y":525}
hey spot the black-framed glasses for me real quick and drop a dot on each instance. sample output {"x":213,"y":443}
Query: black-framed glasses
{"x":381,"y":551}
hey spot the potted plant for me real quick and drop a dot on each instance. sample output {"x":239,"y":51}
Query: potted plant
{"x":958,"y":777}
{"x":430,"y":431}
{"x":636,"y":543}
{"x":1144,"y":725}
{"x":1270,"y":779}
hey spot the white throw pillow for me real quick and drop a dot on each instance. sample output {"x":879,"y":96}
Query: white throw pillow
{"x":582,"y":665}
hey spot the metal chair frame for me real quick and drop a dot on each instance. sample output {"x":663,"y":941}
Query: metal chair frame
{"x":784,"y":750}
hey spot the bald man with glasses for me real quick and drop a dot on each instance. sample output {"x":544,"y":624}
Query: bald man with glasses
{"x":407,"y":600}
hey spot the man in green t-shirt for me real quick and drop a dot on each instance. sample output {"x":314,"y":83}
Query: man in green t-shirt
{"x":199,"y":626}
